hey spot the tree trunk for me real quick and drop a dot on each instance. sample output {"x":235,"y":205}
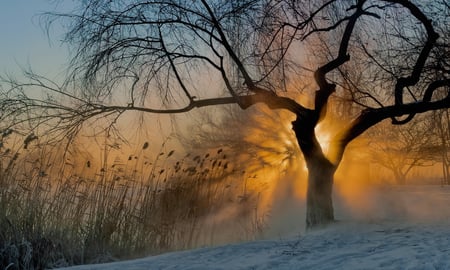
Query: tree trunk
{"x":446,"y":172}
{"x":319,"y":204}
{"x":400,"y":177}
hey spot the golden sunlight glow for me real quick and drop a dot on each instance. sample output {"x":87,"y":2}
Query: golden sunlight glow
{"x":323,"y":136}
{"x":276,"y":171}
{"x":273,"y":157}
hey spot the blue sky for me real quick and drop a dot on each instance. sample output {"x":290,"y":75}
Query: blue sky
{"x":25,"y":43}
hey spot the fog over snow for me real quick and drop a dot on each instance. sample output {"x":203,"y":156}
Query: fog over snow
{"x":402,"y":228}
{"x":342,"y":246}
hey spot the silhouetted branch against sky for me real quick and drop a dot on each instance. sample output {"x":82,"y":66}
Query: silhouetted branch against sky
{"x":174,"y":56}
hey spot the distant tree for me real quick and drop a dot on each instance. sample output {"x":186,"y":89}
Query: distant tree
{"x":441,"y":120}
{"x":402,"y":149}
{"x":172,"y":56}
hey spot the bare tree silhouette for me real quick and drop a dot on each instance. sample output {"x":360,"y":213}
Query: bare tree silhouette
{"x":166,"y":57}
{"x":401,"y":150}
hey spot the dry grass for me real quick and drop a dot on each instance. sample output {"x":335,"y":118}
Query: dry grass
{"x":53,"y":213}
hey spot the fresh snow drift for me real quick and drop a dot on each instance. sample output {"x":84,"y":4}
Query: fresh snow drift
{"x":384,"y":245}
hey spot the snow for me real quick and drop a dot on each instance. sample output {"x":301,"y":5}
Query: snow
{"x":345,"y":245}
{"x":390,"y":228}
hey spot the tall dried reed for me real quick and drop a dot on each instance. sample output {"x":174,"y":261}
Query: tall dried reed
{"x":57,"y":210}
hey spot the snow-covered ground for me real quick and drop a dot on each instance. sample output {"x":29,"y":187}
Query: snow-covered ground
{"x":343,"y":246}
{"x":401,"y":228}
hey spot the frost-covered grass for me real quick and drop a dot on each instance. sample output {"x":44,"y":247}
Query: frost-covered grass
{"x":58,"y":209}
{"x":349,"y":246}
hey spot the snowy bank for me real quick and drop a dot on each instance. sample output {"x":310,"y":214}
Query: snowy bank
{"x":342,"y":246}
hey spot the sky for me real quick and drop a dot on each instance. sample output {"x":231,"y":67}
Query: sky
{"x":24,"y":41}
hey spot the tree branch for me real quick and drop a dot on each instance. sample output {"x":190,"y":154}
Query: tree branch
{"x":247,"y":78}
{"x":325,"y":88}
{"x":273,"y":102}
{"x":432,"y":36}
{"x":432,"y":87}
{"x":371,"y":117}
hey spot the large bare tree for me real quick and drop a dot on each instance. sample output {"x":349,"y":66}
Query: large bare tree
{"x":172,"y":56}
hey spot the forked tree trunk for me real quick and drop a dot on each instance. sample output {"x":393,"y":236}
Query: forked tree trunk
{"x":319,"y":203}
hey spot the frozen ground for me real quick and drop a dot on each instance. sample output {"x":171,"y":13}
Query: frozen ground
{"x":343,"y":246}
{"x":407,"y":228}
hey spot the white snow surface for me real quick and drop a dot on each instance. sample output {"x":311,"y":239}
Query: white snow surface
{"x":345,"y":245}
